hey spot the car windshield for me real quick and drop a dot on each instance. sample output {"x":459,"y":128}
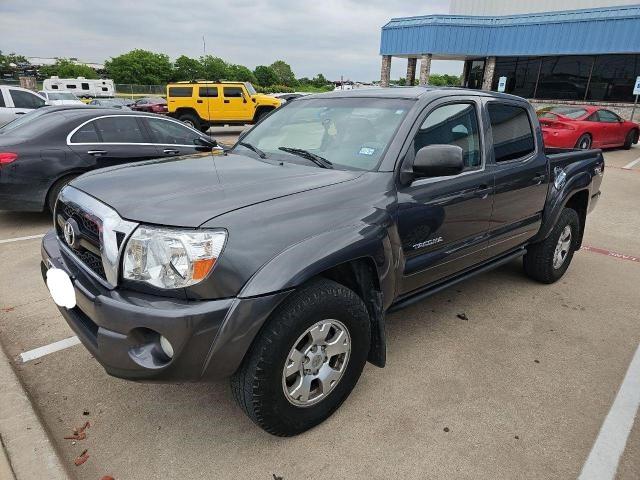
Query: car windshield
{"x":250,"y":89}
{"x":22,"y":120}
{"x":571,"y":112}
{"x":351,"y":133}
{"x":62,"y":96}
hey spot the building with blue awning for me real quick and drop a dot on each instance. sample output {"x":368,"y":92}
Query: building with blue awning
{"x":587,"y":55}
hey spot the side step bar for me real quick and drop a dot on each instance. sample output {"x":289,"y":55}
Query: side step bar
{"x":431,"y":290}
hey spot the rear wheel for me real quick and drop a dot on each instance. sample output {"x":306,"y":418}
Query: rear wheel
{"x":547,"y":261}
{"x":630,"y":139}
{"x":190,"y":120}
{"x":54,"y":191}
{"x":584,"y":142}
{"x":306,"y":360}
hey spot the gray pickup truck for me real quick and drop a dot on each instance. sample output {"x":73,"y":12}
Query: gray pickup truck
{"x":276,"y":262}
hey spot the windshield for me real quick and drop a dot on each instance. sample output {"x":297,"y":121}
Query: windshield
{"x":22,"y":119}
{"x":250,"y":89}
{"x":62,"y":96}
{"x":352,"y":133}
{"x":571,"y":112}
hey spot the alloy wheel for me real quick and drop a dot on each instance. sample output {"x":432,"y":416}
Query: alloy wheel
{"x":562,"y":248}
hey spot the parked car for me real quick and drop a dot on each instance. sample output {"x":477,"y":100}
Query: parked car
{"x":60,"y":98}
{"x":43,"y":151}
{"x":150,"y":104}
{"x":586,"y":127}
{"x":287,"y":97}
{"x":16,"y":101}
{"x":204,"y":104}
{"x":119,"y":103}
{"x":83,"y":87}
{"x":275,"y":263}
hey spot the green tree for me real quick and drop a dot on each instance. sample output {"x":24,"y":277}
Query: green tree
{"x":141,"y":67}
{"x":284,"y":73}
{"x":213,"y":68}
{"x":319,"y":80}
{"x":186,"y":68}
{"x":265,"y":76}
{"x":11,"y":58}
{"x":240,"y":73}
{"x":65,"y":68}
{"x":444,"y":80}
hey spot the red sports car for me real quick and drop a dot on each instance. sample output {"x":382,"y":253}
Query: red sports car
{"x":151,"y":105}
{"x":586,"y":127}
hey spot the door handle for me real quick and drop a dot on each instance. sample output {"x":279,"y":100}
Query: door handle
{"x":96,"y":153}
{"x":483,"y":191}
{"x":171,"y":151}
{"x":539,"y":178}
{"x":20,"y":113}
{"x":198,"y":101}
{"x":226,"y":101}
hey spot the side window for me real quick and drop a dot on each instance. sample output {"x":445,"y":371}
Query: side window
{"x":85,"y":86}
{"x":233,"y":92}
{"x":1,"y":99}
{"x":172,"y":133}
{"x":22,"y":99}
{"x":512,"y":132}
{"x":86,"y":134}
{"x":54,"y":87}
{"x":180,"y":91}
{"x":72,"y":86}
{"x":455,"y":124}
{"x":608,"y":117}
{"x":593,"y":117}
{"x":208,"y":92}
{"x":120,"y":129}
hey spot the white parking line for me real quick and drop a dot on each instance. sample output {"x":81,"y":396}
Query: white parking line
{"x":602,"y":462}
{"x":19,"y":239}
{"x":630,"y":165}
{"x":47,"y":349}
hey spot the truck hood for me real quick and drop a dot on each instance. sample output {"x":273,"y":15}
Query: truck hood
{"x":188,"y":191}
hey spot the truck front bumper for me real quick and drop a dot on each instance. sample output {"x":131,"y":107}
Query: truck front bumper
{"x":122,"y":328}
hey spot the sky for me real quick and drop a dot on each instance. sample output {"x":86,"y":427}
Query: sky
{"x":332,"y":37}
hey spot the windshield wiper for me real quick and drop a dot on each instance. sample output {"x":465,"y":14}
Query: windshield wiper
{"x":317,"y":159}
{"x":260,"y":153}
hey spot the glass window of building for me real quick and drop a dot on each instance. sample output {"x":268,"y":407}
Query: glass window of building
{"x":564,"y":78}
{"x":613,"y":78}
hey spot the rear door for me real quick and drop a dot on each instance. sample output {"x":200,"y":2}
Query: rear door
{"x":443,"y":221}
{"x":521,"y":174}
{"x":236,"y":106}
{"x":209,"y":102}
{"x":172,"y":138}
{"x":112,"y":140}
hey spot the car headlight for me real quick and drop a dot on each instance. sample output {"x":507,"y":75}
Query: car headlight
{"x":167,"y":258}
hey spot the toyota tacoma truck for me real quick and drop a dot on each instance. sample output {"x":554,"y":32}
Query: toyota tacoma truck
{"x":276,"y":262}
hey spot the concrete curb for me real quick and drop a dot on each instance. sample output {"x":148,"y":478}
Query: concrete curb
{"x":28,"y":451}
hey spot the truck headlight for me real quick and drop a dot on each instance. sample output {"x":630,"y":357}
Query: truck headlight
{"x":168,"y":258}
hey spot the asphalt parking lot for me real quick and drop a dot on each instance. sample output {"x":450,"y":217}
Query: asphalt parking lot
{"x":519,"y":389}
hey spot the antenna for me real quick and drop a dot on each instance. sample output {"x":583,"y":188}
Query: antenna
{"x":204,"y":46}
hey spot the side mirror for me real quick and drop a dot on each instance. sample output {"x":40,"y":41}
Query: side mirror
{"x":205,"y":145}
{"x":438,"y":161}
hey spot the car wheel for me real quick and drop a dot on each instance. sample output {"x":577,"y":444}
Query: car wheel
{"x":190,"y":119}
{"x":261,"y":114}
{"x":630,"y":139}
{"x":55,"y":190}
{"x":584,"y":142}
{"x":547,"y":261}
{"x":306,"y":359}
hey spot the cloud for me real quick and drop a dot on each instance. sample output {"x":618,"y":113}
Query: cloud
{"x":330,"y":36}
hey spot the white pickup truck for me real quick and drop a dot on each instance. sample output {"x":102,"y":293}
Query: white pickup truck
{"x":16,"y":101}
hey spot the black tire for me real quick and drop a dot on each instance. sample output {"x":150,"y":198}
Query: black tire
{"x":539,"y":259}
{"x":55,"y":189}
{"x":260,"y":114}
{"x":190,"y":119}
{"x":258,"y":384}
{"x":584,"y":142}
{"x":630,"y":139}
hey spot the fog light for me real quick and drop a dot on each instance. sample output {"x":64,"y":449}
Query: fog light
{"x":166,"y":346}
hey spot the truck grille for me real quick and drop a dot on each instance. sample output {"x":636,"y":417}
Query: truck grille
{"x":98,"y":233}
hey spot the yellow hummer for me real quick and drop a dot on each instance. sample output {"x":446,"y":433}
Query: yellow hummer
{"x":202,"y":104}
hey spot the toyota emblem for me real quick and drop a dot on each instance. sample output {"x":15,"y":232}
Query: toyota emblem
{"x":69,"y":233}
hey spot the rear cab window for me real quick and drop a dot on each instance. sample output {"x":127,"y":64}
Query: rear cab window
{"x":208,"y":92}
{"x":513,"y":136}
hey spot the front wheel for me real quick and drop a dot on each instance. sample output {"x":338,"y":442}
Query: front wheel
{"x":306,"y":359}
{"x":547,"y":261}
{"x":630,"y":139}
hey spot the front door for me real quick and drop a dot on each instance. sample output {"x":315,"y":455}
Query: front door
{"x":521,"y":176}
{"x":236,"y":106}
{"x":611,"y":128}
{"x":443,"y":221}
